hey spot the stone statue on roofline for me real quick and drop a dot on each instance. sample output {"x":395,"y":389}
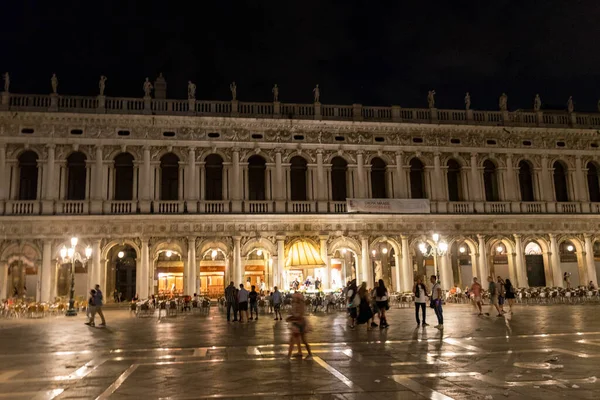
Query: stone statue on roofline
{"x":503,"y":102}
{"x":54,"y":84}
{"x":275,"y":91}
{"x":6,"y":82}
{"x":147,"y":87}
{"x":233,"y":88}
{"x":191,"y":90}
{"x":570,"y":106}
{"x":102,"y":84}
{"x":317,"y":94}
{"x":431,"y":99}
{"x":467,"y":101}
{"x":537,"y":103}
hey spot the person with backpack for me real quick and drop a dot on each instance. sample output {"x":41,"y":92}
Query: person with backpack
{"x":382,"y":298}
{"x":420,"y":291}
{"x":353,"y":301}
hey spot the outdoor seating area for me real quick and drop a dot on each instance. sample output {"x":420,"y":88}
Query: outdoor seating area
{"x":174,"y":307}
{"x":30,"y":309}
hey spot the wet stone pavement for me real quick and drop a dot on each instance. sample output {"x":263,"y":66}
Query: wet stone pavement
{"x":538,"y":352}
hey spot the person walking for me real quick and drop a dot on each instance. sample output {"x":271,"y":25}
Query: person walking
{"x":253,"y":297}
{"x":436,"y":301}
{"x":510,"y":293}
{"x":420,"y":291}
{"x":493,"y":291}
{"x":501,"y":293}
{"x":231,"y":300}
{"x":98,"y":302}
{"x":299,"y":326}
{"x":382,"y":299}
{"x":476,"y":290}
{"x":277,"y":300}
{"x":91,"y":309}
{"x":353,"y":302}
{"x":365,"y":314}
{"x":243,"y":303}
{"x":374,"y":305}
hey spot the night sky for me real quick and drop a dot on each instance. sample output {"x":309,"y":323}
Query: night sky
{"x":369,"y":52}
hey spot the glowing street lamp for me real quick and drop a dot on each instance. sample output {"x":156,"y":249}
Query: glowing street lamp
{"x":71,"y":255}
{"x":437,"y":249}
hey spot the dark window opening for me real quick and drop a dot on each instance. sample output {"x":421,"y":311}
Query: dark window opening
{"x":123,"y":133}
{"x":257,"y":136}
{"x":169,"y":134}
{"x":28,"y":176}
{"x":340,"y":138}
{"x":124,"y":177}
{"x":169,"y":178}
{"x":417,"y":140}
{"x":298,"y":137}
{"x":455,"y":141}
{"x":454,"y":181}
{"x":379,"y":139}
{"x":213,"y":135}
{"x":339,"y":169}
{"x":593,"y":183}
{"x":490,"y":181}
{"x":76,"y":176}
{"x":491,"y":142}
{"x":526,"y":142}
{"x":76,"y":132}
{"x":560,"y":181}
{"x":526,"y":181}
{"x":378,"y":181}
{"x":27,"y":131}
{"x":417,"y":179}
{"x":256,"y":177}
{"x":213,"y":168}
{"x":298,"y":178}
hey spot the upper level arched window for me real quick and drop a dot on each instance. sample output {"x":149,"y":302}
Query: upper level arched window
{"x":256,"y":177}
{"x":526,"y":181}
{"x":339,"y":169}
{"x":169,"y":177}
{"x":123,"y":177}
{"x":76,"y":176}
{"x":28,"y":176}
{"x":213,"y":171}
{"x":560,"y":181}
{"x":417,"y":179}
{"x":378,"y":181}
{"x":592,"y":180}
{"x":298,"y":178}
{"x":490,"y":181}
{"x":454,"y":179}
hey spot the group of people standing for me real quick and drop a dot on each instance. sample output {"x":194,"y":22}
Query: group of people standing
{"x":435,"y":299}
{"x":239,"y":300}
{"x":364,"y":304}
{"x":500,"y":292}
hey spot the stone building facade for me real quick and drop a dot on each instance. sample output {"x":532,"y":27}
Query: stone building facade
{"x":186,"y":195}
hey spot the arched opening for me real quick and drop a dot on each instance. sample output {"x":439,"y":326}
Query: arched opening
{"x":343,"y":267}
{"x":28,"y":176}
{"x":560,"y":181}
{"x":168,"y":273}
{"x":569,"y":263}
{"x":534,"y":263}
{"x":593,"y":182}
{"x":256,"y":177}
{"x":123,"y":177}
{"x":385,"y":261}
{"x":258,"y":267}
{"x":76,"y":176}
{"x":378,"y":181}
{"x":303,"y":265}
{"x":122,"y":273}
{"x":169,"y":177}
{"x":454,"y":181}
{"x":417,"y":179}
{"x":464,"y":267}
{"x":22,"y":274}
{"x":339,"y":168}
{"x":213,"y":267}
{"x":213,"y":168}
{"x":526,"y":181}
{"x":490,"y":181}
{"x":298,"y":178}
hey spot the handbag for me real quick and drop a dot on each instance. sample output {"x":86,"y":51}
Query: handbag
{"x":355,"y":301}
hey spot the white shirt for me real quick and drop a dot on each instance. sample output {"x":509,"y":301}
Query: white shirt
{"x":422,"y":296}
{"x":434,"y":291}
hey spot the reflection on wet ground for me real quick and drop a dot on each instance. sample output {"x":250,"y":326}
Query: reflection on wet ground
{"x":539,"y":352}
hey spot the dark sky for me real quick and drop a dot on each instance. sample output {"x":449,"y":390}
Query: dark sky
{"x":369,"y":52}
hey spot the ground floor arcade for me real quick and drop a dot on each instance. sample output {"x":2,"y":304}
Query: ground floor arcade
{"x":174,"y":256}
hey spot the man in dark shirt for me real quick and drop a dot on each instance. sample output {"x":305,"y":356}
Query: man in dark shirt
{"x":253,"y":297}
{"x":231,"y":300}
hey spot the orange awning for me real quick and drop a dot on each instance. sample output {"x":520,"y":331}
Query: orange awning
{"x":303,"y":254}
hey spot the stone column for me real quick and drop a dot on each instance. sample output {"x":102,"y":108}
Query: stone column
{"x":360,"y":171}
{"x":590,"y":262}
{"x":367,"y":268}
{"x":510,"y":188}
{"x":191,"y":197}
{"x":3,"y":279}
{"x":326,"y":280}
{"x":580,"y":194}
{"x":146,"y":280}
{"x":447,"y":277}
{"x":46,"y":275}
{"x":401,"y":187}
{"x":406,"y":282}
{"x":321,"y":184}
{"x":98,"y":181}
{"x":546,"y":180}
{"x":146,"y":176}
{"x":437,"y":184}
{"x":192,"y":273}
{"x":279,"y":188}
{"x":555,"y":262}
{"x":95,"y":269}
{"x":237,"y":261}
{"x":235,"y":187}
{"x":484,"y":271}
{"x":3,"y":180}
{"x":278,"y":270}
{"x":49,"y":195}
{"x":474,"y":189}
{"x":520,"y":266}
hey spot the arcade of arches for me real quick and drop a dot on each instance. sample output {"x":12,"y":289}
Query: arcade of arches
{"x":196,"y":264}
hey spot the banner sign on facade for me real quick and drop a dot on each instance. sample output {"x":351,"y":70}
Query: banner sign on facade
{"x":389,"y":206}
